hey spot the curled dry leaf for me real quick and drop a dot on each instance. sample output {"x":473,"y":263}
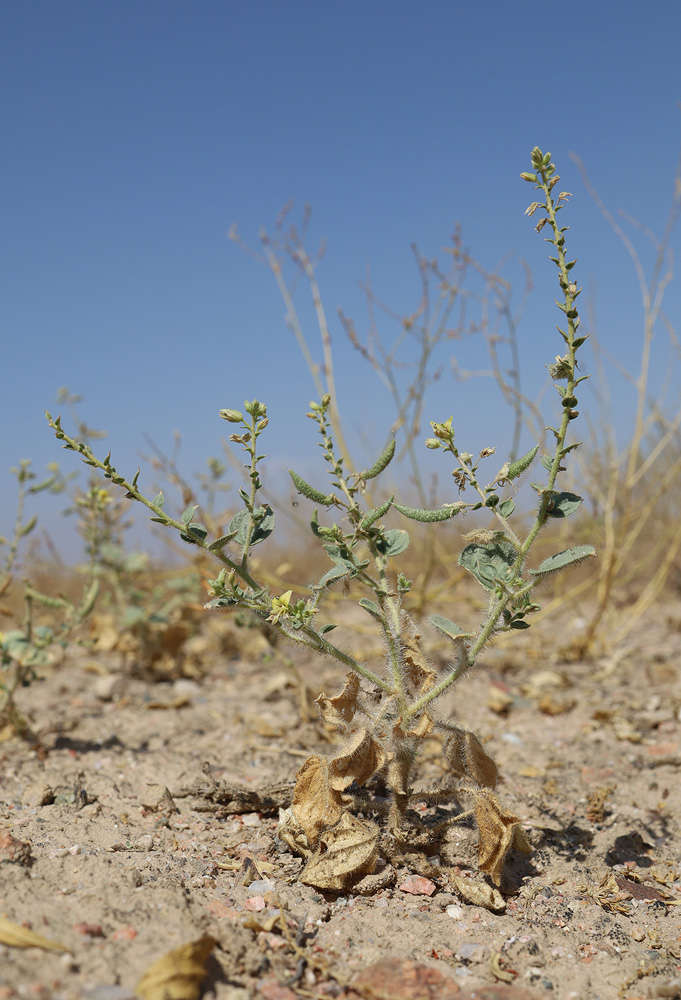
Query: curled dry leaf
{"x":340,"y":710}
{"x":16,"y":936}
{"x":468,"y":757}
{"x":356,"y":762}
{"x":345,"y":854}
{"x":420,"y":674}
{"x":290,"y":831}
{"x":179,"y":974}
{"x":499,"y":831}
{"x":478,"y":893}
{"x":316,"y":804}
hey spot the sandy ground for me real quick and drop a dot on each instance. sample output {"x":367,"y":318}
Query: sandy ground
{"x":116,"y":842}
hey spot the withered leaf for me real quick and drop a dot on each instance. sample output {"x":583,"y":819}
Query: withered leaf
{"x":361,"y":758}
{"x":497,"y":833}
{"x":478,"y":893}
{"x":466,"y":756}
{"x":420,"y":675}
{"x":345,"y":854}
{"x":340,"y":710}
{"x":316,"y":804}
{"x":290,"y":831}
{"x":17,"y":936}
{"x":179,"y":974}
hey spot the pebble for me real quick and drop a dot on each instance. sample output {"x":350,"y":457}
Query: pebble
{"x":418,"y":886}
{"x":38,"y":794}
{"x":108,"y":993}
{"x":261,"y":886}
{"x":145,"y":842}
{"x":455,"y":911}
{"x":471,"y":951}
{"x":512,"y":738}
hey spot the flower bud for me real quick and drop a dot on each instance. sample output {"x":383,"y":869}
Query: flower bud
{"x":234,"y":416}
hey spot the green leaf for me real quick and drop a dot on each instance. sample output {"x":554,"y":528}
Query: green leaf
{"x":547,"y":462}
{"x":564,"y":504}
{"x":309,"y":491}
{"x":337,"y":555}
{"x":518,"y":623}
{"x":506,"y":507}
{"x":563,"y":559}
{"x":188,"y":514}
{"x":430,"y":516}
{"x":335,"y":573}
{"x":159,"y":520}
{"x":198,"y":531}
{"x":393,"y":542}
{"x":489,"y":563}
{"x":27,"y":528}
{"x":449,"y":628}
{"x":159,"y":500}
{"x":369,"y":606}
{"x":517,"y":468}
{"x":326,"y":628}
{"x":381,"y":462}
{"x":238,"y":526}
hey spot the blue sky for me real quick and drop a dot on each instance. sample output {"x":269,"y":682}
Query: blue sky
{"x":136,"y":133}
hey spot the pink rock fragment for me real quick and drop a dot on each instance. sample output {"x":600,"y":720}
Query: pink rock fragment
{"x":255,"y":903}
{"x":418,"y":886}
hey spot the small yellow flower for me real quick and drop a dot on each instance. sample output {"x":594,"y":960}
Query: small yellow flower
{"x":280,"y":606}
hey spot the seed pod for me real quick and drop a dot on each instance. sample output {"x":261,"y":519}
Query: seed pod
{"x":429,"y":516}
{"x":381,"y":462}
{"x":309,"y":491}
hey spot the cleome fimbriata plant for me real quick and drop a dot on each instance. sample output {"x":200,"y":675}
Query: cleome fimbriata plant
{"x":386,"y":712}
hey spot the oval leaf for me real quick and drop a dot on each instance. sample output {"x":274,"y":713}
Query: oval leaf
{"x":393,"y":542}
{"x":564,"y":504}
{"x":563,"y":559}
{"x":487,"y":563}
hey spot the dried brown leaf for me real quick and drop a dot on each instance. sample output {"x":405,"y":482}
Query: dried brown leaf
{"x":316,"y":804}
{"x":361,"y":758}
{"x":340,"y":710}
{"x":497,"y":833}
{"x":179,"y":974}
{"x":420,"y":675}
{"x":467,"y":756}
{"x":345,"y":854}
{"x":478,"y":893}
{"x":16,"y":936}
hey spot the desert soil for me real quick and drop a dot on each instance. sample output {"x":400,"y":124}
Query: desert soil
{"x":121,"y":840}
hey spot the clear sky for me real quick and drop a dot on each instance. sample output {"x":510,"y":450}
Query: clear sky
{"x":135,"y":133}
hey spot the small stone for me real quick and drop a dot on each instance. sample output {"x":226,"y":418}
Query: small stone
{"x":418,"y":886}
{"x":145,"y":842}
{"x":109,"y":687}
{"x":88,"y":930}
{"x":454,"y":911}
{"x":638,"y":934}
{"x":472,"y":951}
{"x":13,"y":851}
{"x":255,"y":903}
{"x":261,"y":886}
{"x":38,"y":794}
{"x":126,"y":933}
{"x":403,"y":979}
{"x":108,"y":993}
{"x":270,"y":989}
{"x":251,"y":819}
